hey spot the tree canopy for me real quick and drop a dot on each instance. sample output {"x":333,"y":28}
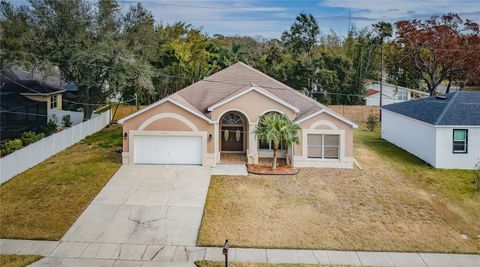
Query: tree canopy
{"x":110,"y":52}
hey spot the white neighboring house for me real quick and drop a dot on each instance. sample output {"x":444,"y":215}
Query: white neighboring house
{"x":442,"y":130}
{"x":391,"y":94}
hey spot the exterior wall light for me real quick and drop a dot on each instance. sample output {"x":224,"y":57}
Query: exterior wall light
{"x":210,"y":137}
{"x":125,"y":135}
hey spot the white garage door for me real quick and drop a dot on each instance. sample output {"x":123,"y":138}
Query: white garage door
{"x":166,"y":149}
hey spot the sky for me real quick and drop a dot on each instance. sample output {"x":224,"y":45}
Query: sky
{"x":269,"y":18}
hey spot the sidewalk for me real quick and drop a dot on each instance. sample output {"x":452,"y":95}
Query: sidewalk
{"x":60,"y":253}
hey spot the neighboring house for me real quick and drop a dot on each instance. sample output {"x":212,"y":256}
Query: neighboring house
{"x":444,"y":130}
{"x":391,"y":94}
{"x":20,"y":114}
{"x":218,"y":115}
{"x":33,"y":86}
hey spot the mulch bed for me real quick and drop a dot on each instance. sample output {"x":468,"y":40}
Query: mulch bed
{"x":267,"y":170}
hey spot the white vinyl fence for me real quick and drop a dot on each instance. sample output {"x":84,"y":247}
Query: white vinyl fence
{"x":29,"y":156}
{"x":75,"y":117}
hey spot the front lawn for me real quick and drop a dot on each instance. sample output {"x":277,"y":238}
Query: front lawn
{"x":18,"y":260}
{"x":396,"y":203}
{"x":44,"y":201}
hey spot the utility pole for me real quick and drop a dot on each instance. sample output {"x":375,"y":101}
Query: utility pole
{"x":136,"y":101}
{"x":381,"y":75}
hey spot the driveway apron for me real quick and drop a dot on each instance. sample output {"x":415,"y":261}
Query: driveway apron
{"x":146,"y":205}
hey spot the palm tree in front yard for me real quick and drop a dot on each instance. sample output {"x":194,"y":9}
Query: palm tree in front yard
{"x":276,"y":128}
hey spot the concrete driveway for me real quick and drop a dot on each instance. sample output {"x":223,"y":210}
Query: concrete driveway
{"x":146,"y":205}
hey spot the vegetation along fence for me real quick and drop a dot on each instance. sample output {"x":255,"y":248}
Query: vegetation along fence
{"x":29,"y":156}
{"x":356,"y":113}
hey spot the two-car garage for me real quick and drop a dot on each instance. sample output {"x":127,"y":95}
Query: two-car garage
{"x":165,"y":148}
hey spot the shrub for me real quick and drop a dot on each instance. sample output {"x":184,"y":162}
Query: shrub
{"x":50,"y":128}
{"x":67,"y":122}
{"x":372,"y":122}
{"x":30,"y":137}
{"x":10,"y":146}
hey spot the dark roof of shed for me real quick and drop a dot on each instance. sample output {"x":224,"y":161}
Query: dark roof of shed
{"x":458,"y":108}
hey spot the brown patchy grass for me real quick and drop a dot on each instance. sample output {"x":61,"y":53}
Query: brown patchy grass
{"x":380,"y":208}
{"x":44,"y":201}
{"x":18,"y":260}
{"x":243,"y":264}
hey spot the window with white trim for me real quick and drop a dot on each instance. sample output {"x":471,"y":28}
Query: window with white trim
{"x":460,"y":141}
{"x":402,"y":95}
{"x":53,"y":101}
{"x":268,"y":146}
{"x":323,"y":146}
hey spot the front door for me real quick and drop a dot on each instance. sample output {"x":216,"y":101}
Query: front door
{"x":232,"y":138}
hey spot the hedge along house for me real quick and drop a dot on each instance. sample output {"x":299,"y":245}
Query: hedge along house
{"x":216,"y":117}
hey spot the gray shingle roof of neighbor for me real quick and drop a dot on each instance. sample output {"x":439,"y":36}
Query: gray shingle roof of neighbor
{"x":458,"y":108}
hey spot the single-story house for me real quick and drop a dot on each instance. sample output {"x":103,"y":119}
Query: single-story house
{"x":391,"y":94}
{"x":443,"y":130}
{"x":218,"y":115}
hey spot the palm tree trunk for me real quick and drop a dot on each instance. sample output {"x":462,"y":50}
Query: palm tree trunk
{"x":275,"y":156}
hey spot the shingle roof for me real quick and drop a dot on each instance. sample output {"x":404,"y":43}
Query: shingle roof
{"x":17,"y":80}
{"x":459,"y":108}
{"x":238,"y":77}
{"x":234,"y":80}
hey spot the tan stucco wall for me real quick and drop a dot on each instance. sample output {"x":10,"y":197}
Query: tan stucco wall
{"x":340,"y":125}
{"x":47,"y":99}
{"x":253,"y":104}
{"x":168,"y":124}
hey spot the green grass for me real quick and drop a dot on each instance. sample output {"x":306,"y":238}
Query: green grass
{"x":452,"y":192}
{"x":44,"y":201}
{"x":18,"y":260}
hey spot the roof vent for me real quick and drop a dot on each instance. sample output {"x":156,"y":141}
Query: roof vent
{"x":442,"y":97}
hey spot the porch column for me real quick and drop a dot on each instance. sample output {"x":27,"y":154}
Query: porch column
{"x":252,"y":153}
{"x":216,"y":144}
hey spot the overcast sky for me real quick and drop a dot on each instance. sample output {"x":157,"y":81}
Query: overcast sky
{"x":270,"y":18}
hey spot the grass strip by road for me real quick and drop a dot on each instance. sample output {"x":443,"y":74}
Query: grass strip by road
{"x":242,"y":264}
{"x":44,"y":201}
{"x":18,"y":260}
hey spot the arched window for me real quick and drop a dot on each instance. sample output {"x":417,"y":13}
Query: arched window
{"x":232,"y":119}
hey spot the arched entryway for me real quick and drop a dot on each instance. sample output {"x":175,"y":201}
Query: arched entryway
{"x":233,"y":132}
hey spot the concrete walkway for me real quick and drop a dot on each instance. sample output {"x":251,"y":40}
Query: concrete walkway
{"x":60,"y":253}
